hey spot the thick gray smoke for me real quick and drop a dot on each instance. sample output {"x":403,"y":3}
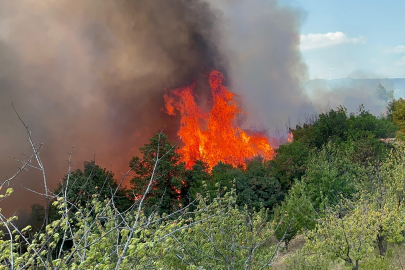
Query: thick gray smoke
{"x":93,"y":72}
{"x":265,"y":62}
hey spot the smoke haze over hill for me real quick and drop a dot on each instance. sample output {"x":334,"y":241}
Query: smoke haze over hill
{"x":353,"y":92}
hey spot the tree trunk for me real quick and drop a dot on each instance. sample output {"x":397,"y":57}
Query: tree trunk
{"x":356,"y":265}
{"x":286,"y":244}
{"x":382,"y":245}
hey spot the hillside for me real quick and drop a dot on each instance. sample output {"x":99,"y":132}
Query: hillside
{"x":396,"y":84}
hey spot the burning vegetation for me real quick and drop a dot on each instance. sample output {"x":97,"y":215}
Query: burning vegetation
{"x":213,"y":136}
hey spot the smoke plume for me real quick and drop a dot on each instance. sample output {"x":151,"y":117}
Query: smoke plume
{"x":265,"y":64}
{"x":92,"y":73}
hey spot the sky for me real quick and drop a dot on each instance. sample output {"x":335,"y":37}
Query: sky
{"x":357,"y":38}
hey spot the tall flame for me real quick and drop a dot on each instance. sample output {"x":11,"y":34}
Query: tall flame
{"x":213,"y":137}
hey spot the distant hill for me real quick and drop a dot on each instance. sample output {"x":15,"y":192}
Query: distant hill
{"x":397,"y":84}
{"x":353,"y":92}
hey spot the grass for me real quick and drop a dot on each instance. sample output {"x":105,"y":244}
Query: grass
{"x":394,"y":259}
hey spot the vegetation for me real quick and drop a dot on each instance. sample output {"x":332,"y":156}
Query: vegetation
{"x":339,"y":185}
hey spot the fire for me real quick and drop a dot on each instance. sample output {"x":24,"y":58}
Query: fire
{"x":213,"y":137}
{"x":290,"y":137}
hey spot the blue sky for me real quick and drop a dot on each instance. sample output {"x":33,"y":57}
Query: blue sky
{"x":358,"y":38}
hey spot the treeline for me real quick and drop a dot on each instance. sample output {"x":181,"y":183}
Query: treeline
{"x":340,"y":183}
{"x":261,"y":184}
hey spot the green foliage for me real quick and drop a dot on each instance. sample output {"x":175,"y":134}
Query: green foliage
{"x":399,"y":117}
{"x":391,"y":108}
{"x":365,"y":122}
{"x":367,"y":150}
{"x":347,"y":233}
{"x":81,"y":185}
{"x":304,"y":260}
{"x":289,"y":163}
{"x":295,"y":215}
{"x":224,"y":237}
{"x":327,"y":126}
{"x":337,"y":126}
{"x":168,"y":178}
{"x":331,"y":175}
{"x":352,"y":229}
{"x":223,"y":176}
{"x":37,"y":217}
{"x":217,"y":235}
{"x":257,"y":188}
{"x":377,"y":263}
{"x":195,"y":179}
{"x":386,"y":193}
{"x":345,"y":192}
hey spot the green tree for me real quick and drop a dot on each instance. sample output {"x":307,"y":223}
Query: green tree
{"x":223,"y":178}
{"x":331,"y":175}
{"x":168,"y":175}
{"x":224,"y":236}
{"x":399,"y":117}
{"x":196,"y":176}
{"x":347,"y":233}
{"x":391,"y":108}
{"x":327,"y":126}
{"x":295,"y":215}
{"x":289,"y":163}
{"x":81,"y":185}
{"x":217,"y":235}
{"x":339,"y":126}
{"x":366,"y":123}
{"x":257,"y":188}
{"x":385,"y":195}
{"x":37,"y":216}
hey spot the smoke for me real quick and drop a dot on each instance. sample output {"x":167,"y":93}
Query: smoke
{"x":92,"y":74}
{"x":265,"y":62}
{"x":374,"y":94}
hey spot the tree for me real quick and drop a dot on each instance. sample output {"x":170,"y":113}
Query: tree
{"x":337,"y":126}
{"x":295,"y":215}
{"x":385,"y":195}
{"x":196,"y":176}
{"x":391,"y":108}
{"x":331,"y":175}
{"x":364,"y":122}
{"x":329,"y":126}
{"x":399,"y":117}
{"x":224,"y":236}
{"x":384,"y":94}
{"x":347,"y":232}
{"x":169,"y":179}
{"x":105,"y":236}
{"x":223,"y":178}
{"x":81,"y":185}
{"x":257,"y":188}
{"x":289,"y":163}
{"x":37,"y":216}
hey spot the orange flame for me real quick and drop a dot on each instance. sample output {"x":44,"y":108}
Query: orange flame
{"x":212,"y":137}
{"x":290,"y":137}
